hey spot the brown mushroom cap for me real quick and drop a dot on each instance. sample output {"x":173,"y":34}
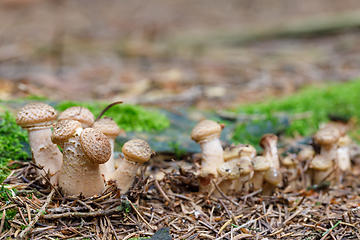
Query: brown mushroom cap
{"x":64,"y":130}
{"x":137,"y":150}
{"x":245,"y":165}
{"x":273,"y":176}
{"x":327,"y":135}
{"x":107,"y":126}
{"x":95,"y":145}
{"x":36,"y":115}
{"x":289,"y":161}
{"x":266,"y":139}
{"x":260,"y":163}
{"x":230,"y":170}
{"x":205,"y":131}
{"x":320,"y":163}
{"x":81,"y":114}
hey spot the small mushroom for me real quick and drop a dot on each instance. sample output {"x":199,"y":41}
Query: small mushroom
{"x":343,"y":155}
{"x":343,"y":160}
{"x":305,"y":156}
{"x":83,"y":151}
{"x":111,"y":130}
{"x":268,"y":143}
{"x":321,"y":168}
{"x":136,"y":152}
{"x":328,"y":137}
{"x":260,"y":166}
{"x":292,"y":171}
{"x":78,"y":113}
{"x":207,"y":134}
{"x":37,"y":119}
{"x":230,"y":171}
{"x":273,"y":178}
{"x":246,"y":173}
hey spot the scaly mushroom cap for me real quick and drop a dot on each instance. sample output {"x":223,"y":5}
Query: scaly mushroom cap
{"x":327,"y":135}
{"x":137,"y":150}
{"x":245,"y":165}
{"x":239,"y":151}
{"x":260,"y":163}
{"x":289,"y":161}
{"x":273,"y":176}
{"x":344,"y":141}
{"x":205,"y":131}
{"x":64,"y":130}
{"x":95,"y":145}
{"x":36,"y":115}
{"x":107,"y":126}
{"x":81,"y":114}
{"x":320,"y":163}
{"x":230,"y":170}
{"x":266,"y":139}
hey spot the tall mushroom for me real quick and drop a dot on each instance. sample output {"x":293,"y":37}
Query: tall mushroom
{"x":78,"y":113}
{"x":328,"y":137}
{"x":136,"y":152}
{"x":343,"y":160}
{"x":268,"y":143}
{"x":246,"y":173}
{"x":37,"y":119}
{"x":207,"y":134}
{"x":290,"y":164}
{"x":83,"y":151}
{"x":111,"y":130}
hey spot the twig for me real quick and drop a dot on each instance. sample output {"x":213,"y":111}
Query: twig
{"x":24,"y":233}
{"x":105,"y":109}
{"x":2,"y":221}
{"x":223,"y":194}
{"x":228,"y":222}
{"x":140,"y":216}
{"x":162,"y":191}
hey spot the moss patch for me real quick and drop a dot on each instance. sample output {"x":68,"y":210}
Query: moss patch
{"x":128,"y":117}
{"x":340,"y":99}
{"x":12,"y":141}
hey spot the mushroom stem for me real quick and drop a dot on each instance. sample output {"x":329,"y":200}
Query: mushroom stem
{"x":320,"y":175}
{"x":125,"y":174}
{"x":258,"y":180}
{"x":78,"y":174}
{"x":45,"y":153}
{"x":110,"y":165}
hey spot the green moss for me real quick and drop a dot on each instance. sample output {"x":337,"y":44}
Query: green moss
{"x":340,"y":99}
{"x":128,"y":117}
{"x":12,"y":141}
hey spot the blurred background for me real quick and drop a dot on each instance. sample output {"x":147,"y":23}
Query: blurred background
{"x":207,"y":54}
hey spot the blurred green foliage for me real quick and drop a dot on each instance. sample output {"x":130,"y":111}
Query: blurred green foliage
{"x":338,"y":99}
{"x":128,"y":117}
{"x":12,"y":139}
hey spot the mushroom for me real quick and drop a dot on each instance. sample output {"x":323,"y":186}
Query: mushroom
{"x":292,"y":171}
{"x":37,"y":119}
{"x":78,"y":113}
{"x":273,"y":178}
{"x":343,"y":160}
{"x":230,"y":171}
{"x":111,"y":130}
{"x":136,"y":152}
{"x":83,"y":151}
{"x":260,"y":166}
{"x":327,"y":137}
{"x":268,"y":143}
{"x":207,"y":134}
{"x":246,"y":173}
{"x":321,"y":168}
{"x":305,"y":155}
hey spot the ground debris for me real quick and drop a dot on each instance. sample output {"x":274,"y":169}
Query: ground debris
{"x":153,"y":208}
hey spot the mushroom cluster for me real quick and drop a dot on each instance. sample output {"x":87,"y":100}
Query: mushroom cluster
{"x":240,"y":170}
{"x":86,"y":164}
